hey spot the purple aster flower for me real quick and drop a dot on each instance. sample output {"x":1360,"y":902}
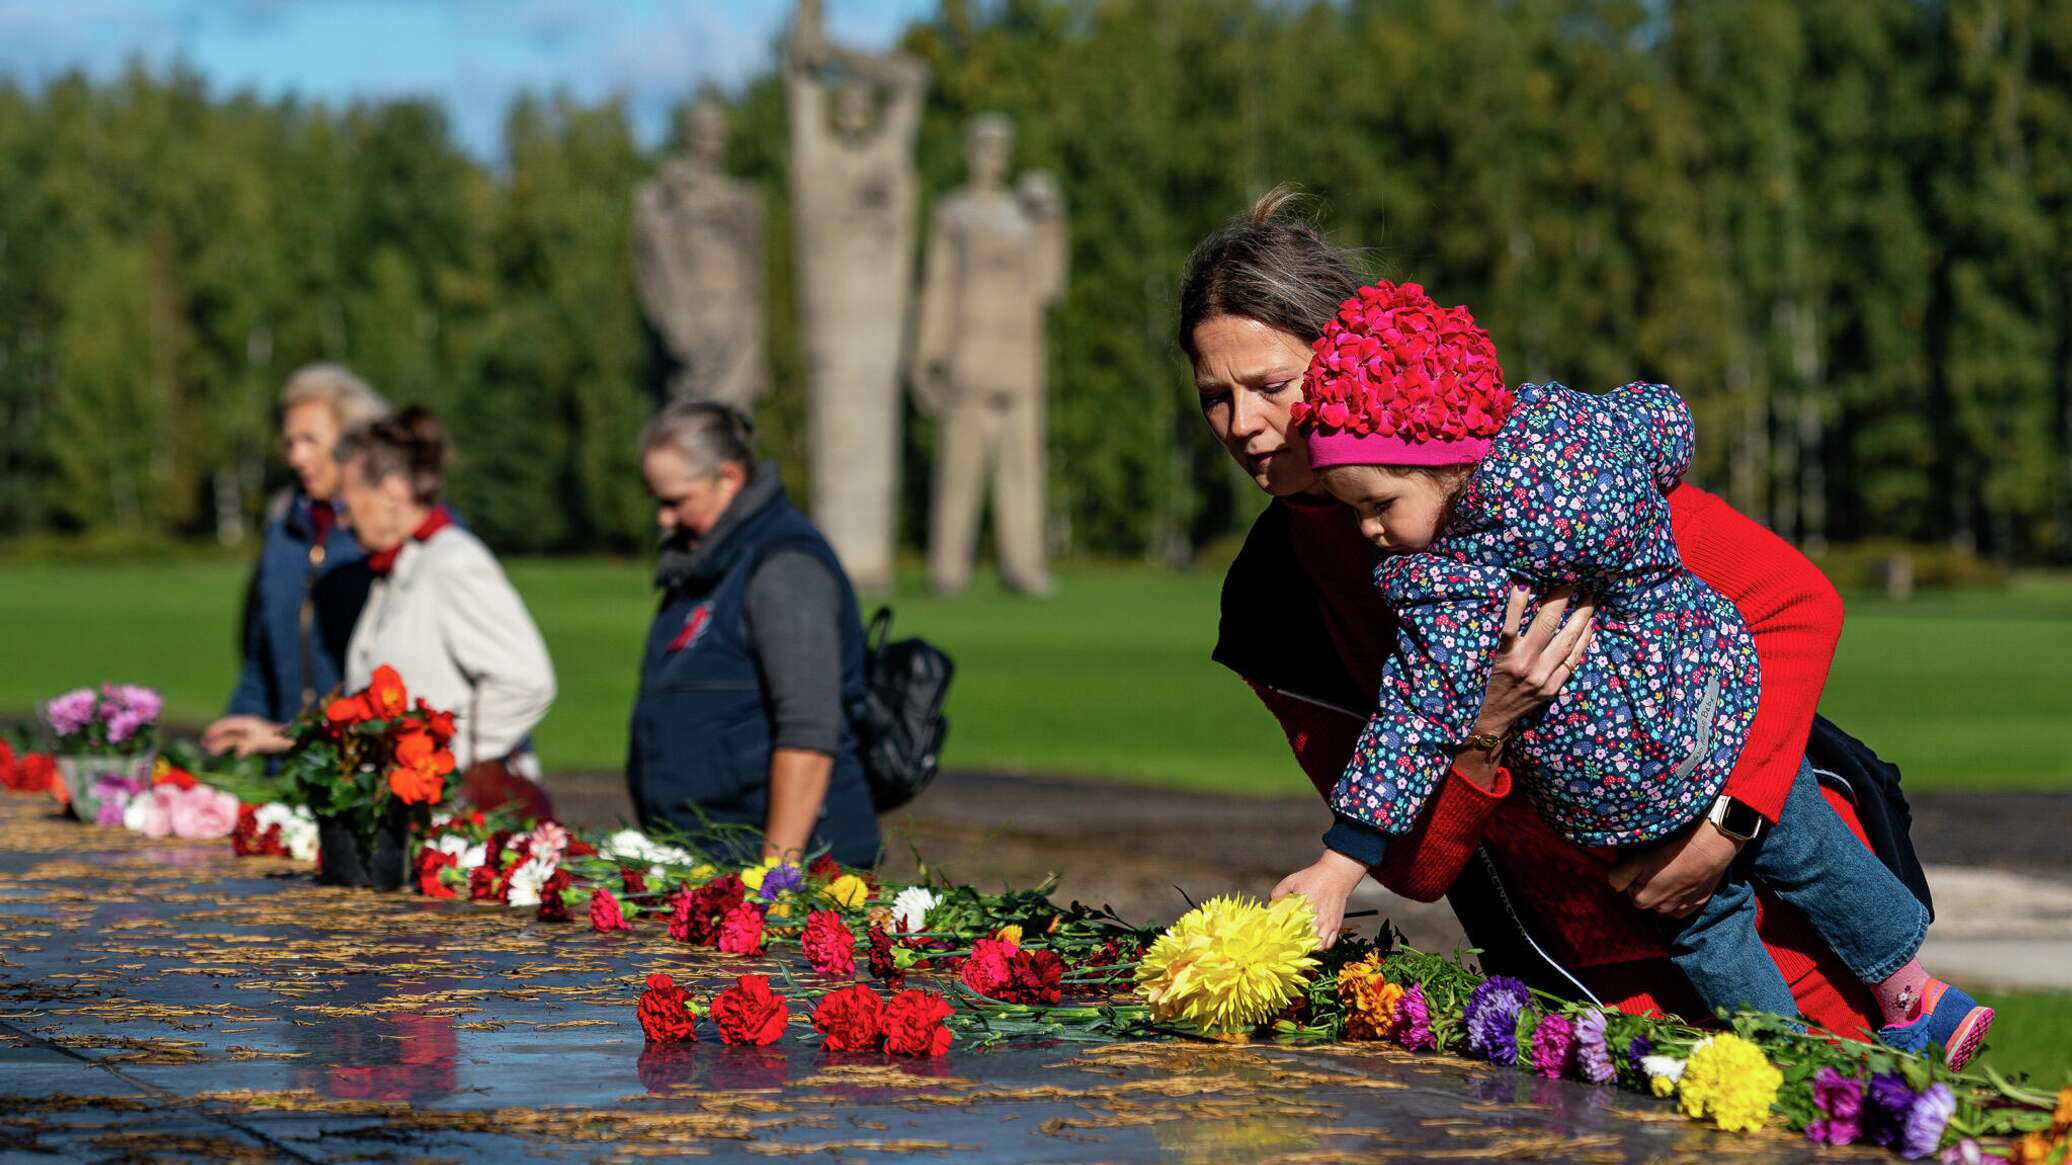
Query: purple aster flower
{"x":1491,"y":1018}
{"x":1885,"y":1118}
{"x":1593,"y":1055}
{"x":1552,"y":1043}
{"x":780,"y":879}
{"x":71,"y":712}
{"x":1636,"y":1051}
{"x":1965,"y":1152}
{"x":1839,"y":1100}
{"x":1926,"y":1121}
{"x":1414,"y":1020}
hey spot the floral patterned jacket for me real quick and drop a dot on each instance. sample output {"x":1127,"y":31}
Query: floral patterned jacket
{"x":1640,"y":740}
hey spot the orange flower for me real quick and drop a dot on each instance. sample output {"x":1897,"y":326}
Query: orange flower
{"x":416,"y":749}
{"x":2061,"y":1120}
{"x":348,"y":710}
{"x":440,"y":723}
{"x":385,"y":694}
{"x":416,"y":786}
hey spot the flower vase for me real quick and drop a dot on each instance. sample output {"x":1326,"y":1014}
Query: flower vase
{"x":92,"y":780}
{"x":346,"y":857}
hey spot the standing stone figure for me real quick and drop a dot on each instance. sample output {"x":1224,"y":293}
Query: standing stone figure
{"x":698,"y":254}
{"x":853,"y":192}
{"x":995,"y":262}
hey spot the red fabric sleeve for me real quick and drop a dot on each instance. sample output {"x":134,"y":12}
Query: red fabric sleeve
{"x":1795,"y":617}
{"x":1424,"y":862}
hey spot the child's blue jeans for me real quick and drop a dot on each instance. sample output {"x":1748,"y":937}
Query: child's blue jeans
{"x":1811,"y":860}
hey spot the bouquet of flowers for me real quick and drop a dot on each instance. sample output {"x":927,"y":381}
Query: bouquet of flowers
{"x":369,"y":765}
{"x":106,"y":741}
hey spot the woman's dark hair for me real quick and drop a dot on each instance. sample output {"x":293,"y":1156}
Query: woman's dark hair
{"x":411,"y":442}
{"x":708,"y":434}
{"x":1271,"y":265}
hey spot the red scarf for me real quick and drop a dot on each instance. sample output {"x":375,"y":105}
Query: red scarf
{"x":381,"y":562}
{"x":322,"y":517}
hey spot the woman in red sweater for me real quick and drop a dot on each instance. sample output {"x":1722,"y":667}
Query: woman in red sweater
{"x":1303,"y":623}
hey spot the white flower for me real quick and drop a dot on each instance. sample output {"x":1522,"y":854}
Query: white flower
{"x":1667,"y":1067}
{"x":298,"y":828}
{"x":526,"y":881}
{"x":451,"y":843}
{"x":910,"y":909}
{"x":627,"y":845}
{"x":138,"y":815}
{"x":300,"y":839}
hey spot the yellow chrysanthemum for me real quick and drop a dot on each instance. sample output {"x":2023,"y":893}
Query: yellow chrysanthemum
{"x":1368,"y":1000}
{"x":848,"y":890}
{"x":752,"y":877}
{"x":1662,"y":1086}
{"x":1730,"y":1080}
{"x":1011,"y":934}
{"x":1230,"y":964}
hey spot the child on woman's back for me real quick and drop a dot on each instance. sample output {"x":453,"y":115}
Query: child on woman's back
{"x":1471,"y":492}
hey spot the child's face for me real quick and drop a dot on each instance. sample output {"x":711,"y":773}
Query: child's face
{"x":1400,"y":510}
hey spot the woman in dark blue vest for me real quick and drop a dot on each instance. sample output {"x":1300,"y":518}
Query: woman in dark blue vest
{"x":311,"y":579}
{"x":754,"y":659}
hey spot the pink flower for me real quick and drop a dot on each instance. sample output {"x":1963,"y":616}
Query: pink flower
{"x":549,"y":841}
{"x":741,"y":930}
{"x":147,"y":813}
{"x":605,"y":915}
{"x":70,"y":712}
{"x":199,"y":813}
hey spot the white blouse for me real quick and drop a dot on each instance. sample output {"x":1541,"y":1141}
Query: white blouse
{"x":453,"y":627}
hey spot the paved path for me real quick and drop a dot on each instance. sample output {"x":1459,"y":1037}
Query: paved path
{"x":167,"y":1001}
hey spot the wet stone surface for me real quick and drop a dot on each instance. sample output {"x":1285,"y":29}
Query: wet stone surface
{"x":167,"y":1001}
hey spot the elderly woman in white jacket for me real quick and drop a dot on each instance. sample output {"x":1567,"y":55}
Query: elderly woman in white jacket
{"x":441,"y":611}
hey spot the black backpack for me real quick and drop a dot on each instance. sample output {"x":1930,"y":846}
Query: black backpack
{"x":900,"y":722}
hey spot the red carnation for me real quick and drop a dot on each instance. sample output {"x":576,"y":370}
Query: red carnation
{"x":665,"y":1014}
{"x":680,"y":915}
{"x":485,"y":884}
{"x":851,"y":1019}
{"x":986,"y":971}
{"x":605,"y":915}
{"x":829,"y":945}
{"x":632,"y":881}
{"x":824,"y":866}
{"x":553,"y":905}
{"x":429,"y":863}
{"x":1034,"y":977}
{"x":914,"y":1024}
{"x":748,"y":1013}
{"x":884,"y":966}
{"x":741,"y":930}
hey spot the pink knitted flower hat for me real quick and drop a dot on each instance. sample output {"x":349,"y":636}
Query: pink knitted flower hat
{"x":1398,"y":380}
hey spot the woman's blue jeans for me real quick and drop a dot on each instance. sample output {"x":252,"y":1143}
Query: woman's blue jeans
{"x":1811,"y":860}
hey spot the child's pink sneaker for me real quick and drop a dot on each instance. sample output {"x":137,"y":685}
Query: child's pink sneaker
{"x":1948,"y":1019}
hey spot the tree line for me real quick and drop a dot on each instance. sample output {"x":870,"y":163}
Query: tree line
{"x":1839,"y":226}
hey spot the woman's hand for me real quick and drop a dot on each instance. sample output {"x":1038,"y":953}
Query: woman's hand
{"x":1327,"y":884}
{"x":1530,"y":667}
{"x":1676,"y":877}
{"x":245,"y":736}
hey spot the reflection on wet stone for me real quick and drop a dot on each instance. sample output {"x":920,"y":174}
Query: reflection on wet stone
{"x":167,"y":998}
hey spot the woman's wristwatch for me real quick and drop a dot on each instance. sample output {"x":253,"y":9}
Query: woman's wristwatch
{"x":1489,"y":744}
{"x":1736,"y":820}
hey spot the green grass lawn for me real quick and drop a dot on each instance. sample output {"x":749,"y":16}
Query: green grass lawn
{"x":1110,"y":678}
{"x":2032,"y":1033}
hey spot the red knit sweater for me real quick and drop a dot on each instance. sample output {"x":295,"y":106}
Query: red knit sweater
{"x":1795,"y":617}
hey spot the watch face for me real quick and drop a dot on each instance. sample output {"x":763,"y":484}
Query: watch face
{"x":1741,"y":820}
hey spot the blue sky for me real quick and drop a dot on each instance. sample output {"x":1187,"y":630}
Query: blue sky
{"x":471,"y":55}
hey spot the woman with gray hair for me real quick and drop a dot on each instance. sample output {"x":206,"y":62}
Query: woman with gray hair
{"x":307,"y":589}
{"x":754,"y":658}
